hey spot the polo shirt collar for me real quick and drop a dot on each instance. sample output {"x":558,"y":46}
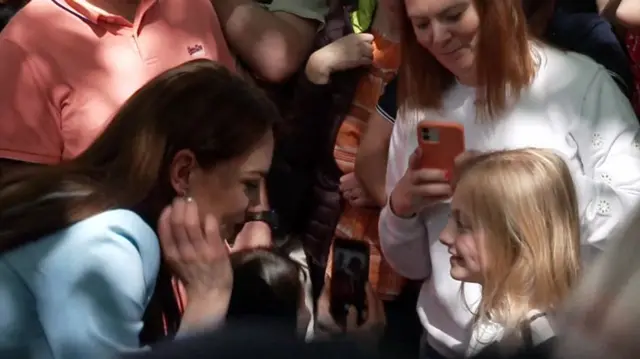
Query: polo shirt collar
{"x":97,"y":15}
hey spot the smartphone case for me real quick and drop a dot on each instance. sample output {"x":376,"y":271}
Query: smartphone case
{"x":441,"y":143}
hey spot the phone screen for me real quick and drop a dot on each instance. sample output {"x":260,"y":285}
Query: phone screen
{"x":349,"y":276}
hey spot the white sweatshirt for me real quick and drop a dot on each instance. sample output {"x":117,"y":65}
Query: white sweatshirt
{"x":573,"y":107}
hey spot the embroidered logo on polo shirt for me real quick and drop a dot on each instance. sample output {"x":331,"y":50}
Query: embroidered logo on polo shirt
{"x":196,"y":50}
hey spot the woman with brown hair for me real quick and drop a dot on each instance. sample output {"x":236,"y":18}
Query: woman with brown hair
{"x":473,"y":62}
{"x":81,"y":268}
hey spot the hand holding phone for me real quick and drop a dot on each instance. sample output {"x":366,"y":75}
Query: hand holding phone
{"x":441,"y":143}
{"x":429,"y":174}
{"x":371,"y":329}
{"x":348,"y":303}
{"x":349,"y":276}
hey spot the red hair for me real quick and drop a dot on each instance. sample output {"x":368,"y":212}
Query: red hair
{"x":504,"y":63}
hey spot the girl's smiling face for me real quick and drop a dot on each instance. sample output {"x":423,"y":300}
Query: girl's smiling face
{"x":466,"y":244}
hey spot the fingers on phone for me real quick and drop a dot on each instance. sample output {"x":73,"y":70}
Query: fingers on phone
{"x":428,"y":175}
{"x":434,"y":191}
{"x":325,"y":321}
{"x":415,"y":159}
{"x":352,"y":319}
{"x":375,"y":308}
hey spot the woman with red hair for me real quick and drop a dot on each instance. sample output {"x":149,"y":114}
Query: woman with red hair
{"x":474,"y":62}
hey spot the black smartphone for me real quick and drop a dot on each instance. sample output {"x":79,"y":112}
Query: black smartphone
{"x":349,"y":275}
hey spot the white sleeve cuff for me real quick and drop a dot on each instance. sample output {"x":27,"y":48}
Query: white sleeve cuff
{"x":400,"y":230}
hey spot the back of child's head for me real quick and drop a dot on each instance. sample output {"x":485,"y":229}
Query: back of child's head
{"x":525,"y":203}
{"x":266,"y":285}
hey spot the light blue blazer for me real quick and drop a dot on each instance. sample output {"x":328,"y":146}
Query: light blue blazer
{"x":81,"y":292}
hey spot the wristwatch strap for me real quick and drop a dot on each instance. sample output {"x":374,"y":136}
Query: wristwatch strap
{"x":269,"y":217}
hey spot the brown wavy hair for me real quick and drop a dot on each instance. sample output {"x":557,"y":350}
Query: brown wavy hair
{"x":504,"y":61}
{"x":199,"y":106}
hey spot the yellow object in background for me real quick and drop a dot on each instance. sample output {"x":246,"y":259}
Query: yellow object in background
{"x":362,"y":17}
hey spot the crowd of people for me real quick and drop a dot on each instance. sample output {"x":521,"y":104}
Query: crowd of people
{"x":175,"y":176}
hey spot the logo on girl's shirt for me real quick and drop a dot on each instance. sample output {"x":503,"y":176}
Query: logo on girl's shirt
{"x":196,"y":50}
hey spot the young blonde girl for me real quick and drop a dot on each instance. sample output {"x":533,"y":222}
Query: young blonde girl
{"x":514,"y":229}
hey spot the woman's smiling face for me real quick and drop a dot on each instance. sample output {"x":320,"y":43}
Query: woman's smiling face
{"x":449,"y":30}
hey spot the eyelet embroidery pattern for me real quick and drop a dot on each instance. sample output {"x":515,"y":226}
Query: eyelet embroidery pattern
{"x":604,"y":208}
{"x":597,"y":141}
{"x":606,"y":178}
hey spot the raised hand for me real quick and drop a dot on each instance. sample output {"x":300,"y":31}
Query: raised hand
{"x":419,"y":188}
{"x":349,"y":52}
{"x":194,"y":250}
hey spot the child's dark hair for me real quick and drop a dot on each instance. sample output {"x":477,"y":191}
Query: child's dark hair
{"x":266,"y":284}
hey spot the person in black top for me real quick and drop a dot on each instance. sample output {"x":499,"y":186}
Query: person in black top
{"x":8,"y":8}
{"x":577,"y":26}
{"x":388,"y":103}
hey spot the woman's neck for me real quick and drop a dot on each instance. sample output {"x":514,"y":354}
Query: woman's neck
{"x":469,"y":80}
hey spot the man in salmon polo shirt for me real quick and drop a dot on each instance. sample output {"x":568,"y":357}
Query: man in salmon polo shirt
{"x":66,"y":66}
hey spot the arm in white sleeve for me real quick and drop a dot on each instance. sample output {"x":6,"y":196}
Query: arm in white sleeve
{"x":606,"y":137}
{"x":404,"y":242}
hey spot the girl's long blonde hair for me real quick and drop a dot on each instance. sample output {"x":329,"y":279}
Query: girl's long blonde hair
{"x":525,"y":203}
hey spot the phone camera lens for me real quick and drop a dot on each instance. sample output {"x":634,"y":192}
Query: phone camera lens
{"x":425,"y":134}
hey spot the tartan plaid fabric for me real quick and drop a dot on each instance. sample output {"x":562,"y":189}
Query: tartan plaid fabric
{"x":362,"y":223}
